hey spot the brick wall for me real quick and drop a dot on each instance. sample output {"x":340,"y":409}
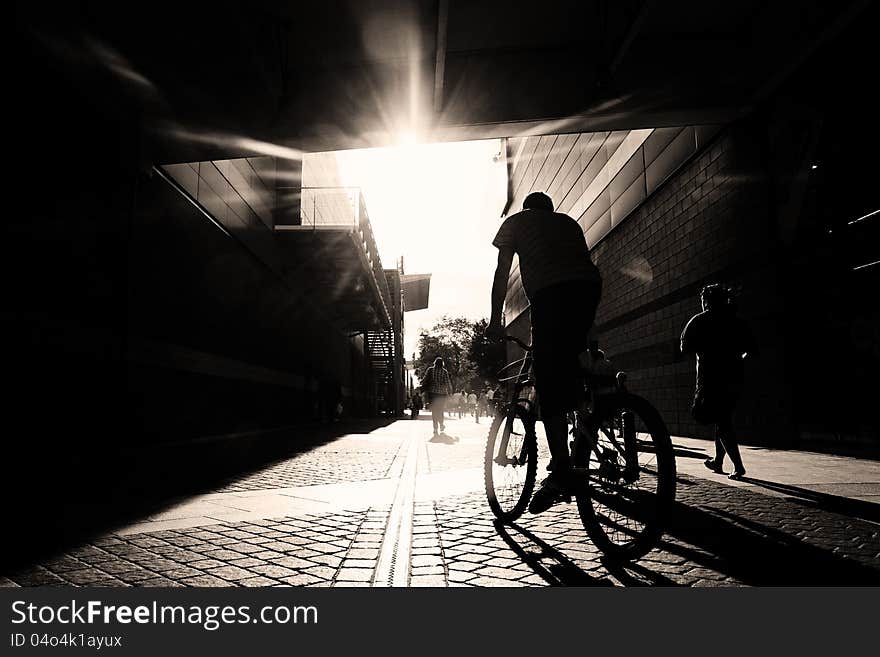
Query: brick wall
{"x":710,"y":220}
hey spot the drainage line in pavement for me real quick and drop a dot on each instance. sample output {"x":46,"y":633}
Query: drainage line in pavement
{"x":392,"y":568}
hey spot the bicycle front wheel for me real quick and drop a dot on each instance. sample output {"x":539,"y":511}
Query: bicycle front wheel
{"x":631,"y":469}
{"x":511,"y":462}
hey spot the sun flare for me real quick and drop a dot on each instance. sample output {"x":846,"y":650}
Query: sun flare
{"x":438,"y":205}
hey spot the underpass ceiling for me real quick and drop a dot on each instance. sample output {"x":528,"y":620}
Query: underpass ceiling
{"x":343,"y":74}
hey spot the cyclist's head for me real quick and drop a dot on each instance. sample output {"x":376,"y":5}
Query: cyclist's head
{"x":538,"y":201}
{"x":438,"y":362}
{"x":715,"y":297}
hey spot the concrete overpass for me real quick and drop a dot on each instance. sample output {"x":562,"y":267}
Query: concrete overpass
{"x":203,"y":78}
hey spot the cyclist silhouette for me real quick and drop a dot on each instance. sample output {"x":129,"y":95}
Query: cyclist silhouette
{"x":563,"y":287}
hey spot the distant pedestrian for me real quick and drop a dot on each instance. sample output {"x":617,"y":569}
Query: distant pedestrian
{"x":415,"y":405}
{"x":462,"y":404}
{"x":438,"y":385}
{"x":721,"y":342}
{"x":482,"y":406}
{"x":472,"y":405}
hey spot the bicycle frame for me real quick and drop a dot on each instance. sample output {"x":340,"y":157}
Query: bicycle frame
{"x":584,"y":426}
{"x":520,"y":382}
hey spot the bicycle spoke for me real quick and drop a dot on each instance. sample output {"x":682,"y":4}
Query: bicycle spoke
{"x":624,"y":474}
{"x":511,"y":473}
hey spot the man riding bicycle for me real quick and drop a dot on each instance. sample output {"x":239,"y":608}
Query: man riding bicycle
{"x":564,"y":287}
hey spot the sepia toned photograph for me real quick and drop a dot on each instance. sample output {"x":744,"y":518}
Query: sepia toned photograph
{"x":440,"y":293}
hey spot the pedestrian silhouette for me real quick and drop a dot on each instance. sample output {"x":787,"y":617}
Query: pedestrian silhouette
{"x":721,"y":342}
{"x":415,"y":405}
{"x":438,"y":384}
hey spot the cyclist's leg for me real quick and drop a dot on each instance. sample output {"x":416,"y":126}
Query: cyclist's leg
{"x":556,"y":428}
{"x":561,"y":320}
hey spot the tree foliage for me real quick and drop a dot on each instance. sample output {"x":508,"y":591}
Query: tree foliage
{"x":472,"y":361}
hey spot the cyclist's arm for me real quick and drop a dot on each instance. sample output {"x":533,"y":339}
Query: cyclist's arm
{"x":688,"y":339}
{"x":499,"y":284}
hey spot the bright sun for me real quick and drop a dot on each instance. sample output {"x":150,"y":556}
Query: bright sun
{"x":439,"y":206}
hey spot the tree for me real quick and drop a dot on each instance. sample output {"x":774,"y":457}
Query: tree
{"x":487,"y":356}
{"x":470,"y":358}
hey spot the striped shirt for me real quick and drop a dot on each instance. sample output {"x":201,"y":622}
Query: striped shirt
{"x":551,"y":249}
{"x":439,"y":381}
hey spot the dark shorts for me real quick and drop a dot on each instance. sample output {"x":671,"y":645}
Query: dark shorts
{"x":714,"y":404}
{"x":436,"y":401}
{"x":562,"y":316}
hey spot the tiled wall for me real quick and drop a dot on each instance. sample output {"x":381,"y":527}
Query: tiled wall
{"x":696,"y":218}
{"x":597,"y":178}
{"x":241,"y":190}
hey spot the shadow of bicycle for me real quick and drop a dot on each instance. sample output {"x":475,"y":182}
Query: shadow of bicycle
{"x":711,"y":543}
{"x":560,"y":571}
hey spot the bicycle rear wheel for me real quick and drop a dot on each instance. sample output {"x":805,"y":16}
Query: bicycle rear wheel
{"x":631,"y":478}
{"x":509,"y":471}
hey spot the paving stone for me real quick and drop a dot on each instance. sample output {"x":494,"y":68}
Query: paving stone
{"x":230,"y":573}
{"x":37,"y":577}
{"x":428,"y":580}
{"x":495,"y":572}
{"x":350,"y":584}
{"x":113,"y":582}
{"x":422,"y":552}
{"x":301,"y":579}
{"x":355,"y":574}
{"x":206,"y":564}
{"x":292,"y":562}
{"x":428,"y":570}
{"x":246,"y":562}
{"x":276,"y":572}
{"x":321,"y":572}
{"x":204,"y":580}
{"x":64,"y":564}
{"x":118,"y":567}
{"x":135,"y":576}
{"x":163,"y":582}
{"x":426,"y":560}
{"x":362,"y":553}
{"x":493,"y":582}
{"x":221,"y":555}
{"x":459,"y":576}
{"x":256,"y":581}
{"x":327,"y":560}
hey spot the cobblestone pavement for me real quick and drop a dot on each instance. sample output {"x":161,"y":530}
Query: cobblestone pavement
{"x":352,"y":459}
{"x":334,"y":515}
{"x":718,"y":536}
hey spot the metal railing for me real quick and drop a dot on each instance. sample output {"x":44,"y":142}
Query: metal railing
{"x":337,"y":207}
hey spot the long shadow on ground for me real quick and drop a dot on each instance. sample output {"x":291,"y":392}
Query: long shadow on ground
{"x":561,"y":572}
{"x":92,"y":494}
{"x":763,"y":548}
{"x":825,"y":501}
{"x":759,"y":548}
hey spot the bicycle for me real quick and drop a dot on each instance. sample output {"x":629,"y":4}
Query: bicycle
{"x":620,"y":446}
